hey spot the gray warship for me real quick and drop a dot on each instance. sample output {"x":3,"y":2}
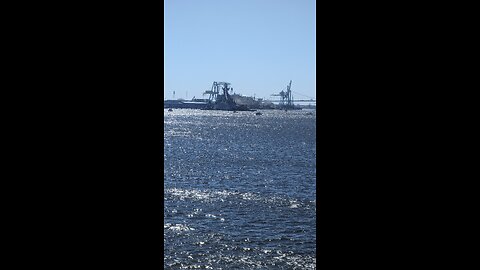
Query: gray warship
{"x":221,"y":99}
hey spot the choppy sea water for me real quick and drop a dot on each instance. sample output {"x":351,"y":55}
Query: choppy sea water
{"x":239,"y":190}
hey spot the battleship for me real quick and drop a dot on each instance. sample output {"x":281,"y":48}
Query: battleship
{"x":221,"y":99}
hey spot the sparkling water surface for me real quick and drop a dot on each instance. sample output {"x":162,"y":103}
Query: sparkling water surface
{"x":239,"y":189}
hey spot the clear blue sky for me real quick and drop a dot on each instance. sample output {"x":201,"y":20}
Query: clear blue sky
{"x":256,"y":45}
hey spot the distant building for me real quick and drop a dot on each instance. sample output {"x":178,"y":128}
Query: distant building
{"x":183,"y":104}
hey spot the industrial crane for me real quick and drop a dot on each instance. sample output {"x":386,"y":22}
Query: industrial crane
{"x":287,"y":99}
{"x":214,"y":92}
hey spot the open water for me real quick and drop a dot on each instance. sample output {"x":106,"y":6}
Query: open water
{"x":239,"y":190}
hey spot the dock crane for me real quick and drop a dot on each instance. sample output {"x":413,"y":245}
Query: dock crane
{"x":287,"y":99}
{"x":215,"y":94}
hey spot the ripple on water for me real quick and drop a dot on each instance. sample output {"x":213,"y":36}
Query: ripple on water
{"x":239,"y":190}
